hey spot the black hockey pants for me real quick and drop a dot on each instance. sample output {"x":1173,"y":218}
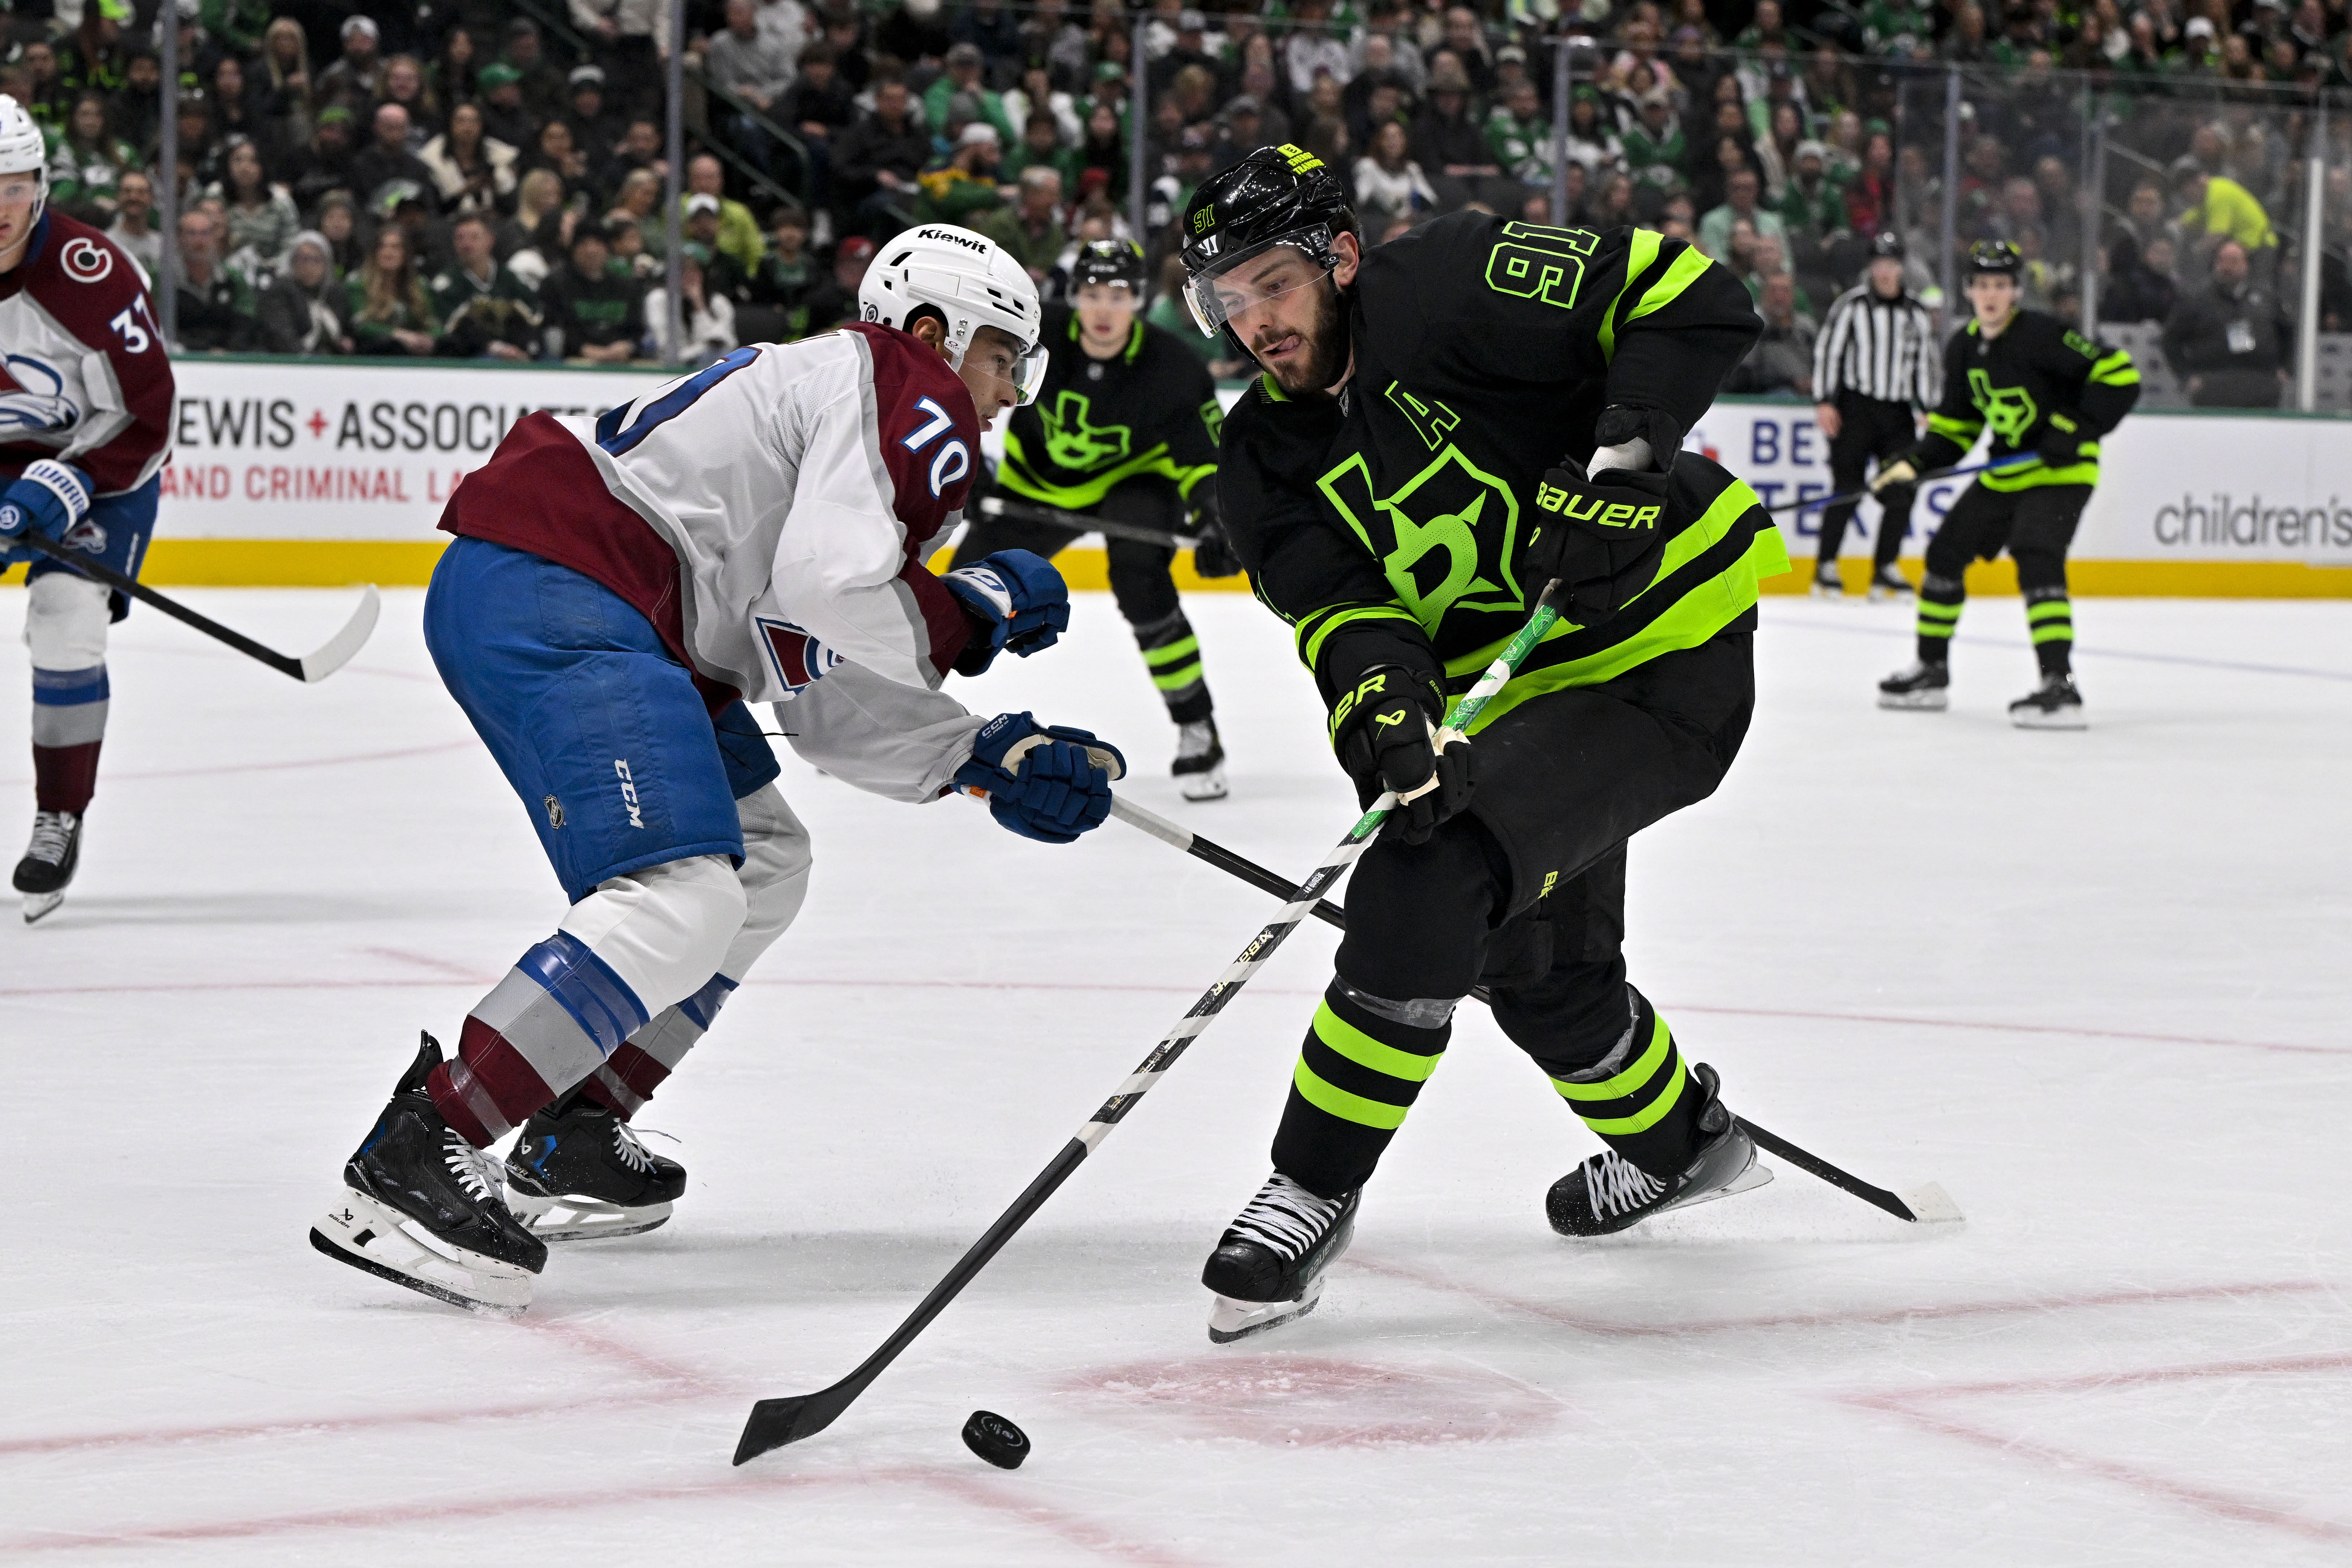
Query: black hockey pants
{"x":1526,"y":891}
{"x":1140,"y":580}
{"x":2035,"y":526}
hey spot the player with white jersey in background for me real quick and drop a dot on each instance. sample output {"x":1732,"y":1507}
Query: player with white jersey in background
{"x":85,"y":429}
{"x":752,"y":532}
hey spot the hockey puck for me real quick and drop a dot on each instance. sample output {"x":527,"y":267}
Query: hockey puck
{"x":996,"y":1439}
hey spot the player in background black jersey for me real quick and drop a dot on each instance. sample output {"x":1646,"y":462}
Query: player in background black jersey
{"x":2049,"y":394}
{"x":1442,"y":426}
{"x":1125,"y":429}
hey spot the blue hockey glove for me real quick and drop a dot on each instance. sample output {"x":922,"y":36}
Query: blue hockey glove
{"x":1044,"y":782}
{"x":1015,"y":599}
{"x":48,"y":499}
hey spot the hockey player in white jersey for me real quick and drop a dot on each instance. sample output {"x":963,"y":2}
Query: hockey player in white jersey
{"x":84,"y":428}
{"x":752,"y":532}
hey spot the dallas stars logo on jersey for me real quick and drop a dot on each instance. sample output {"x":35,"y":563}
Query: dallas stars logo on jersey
{"x":1444,"y":537}
{"x":1074,"y":443}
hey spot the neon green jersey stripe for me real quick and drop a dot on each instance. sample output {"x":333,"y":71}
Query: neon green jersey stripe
{"x":1936,"y":629}
{"x":1648,"y":1116}
{"x":1930,"y":609}
{"x":2054,"y":634}
{"x":2049,"y":610}
{"x":1171,"y":651}
{"x":1347,"y":1107}
{"x":1310,"y":648}
{"x":1644,"y":1067}
{"x":1680,"y":276}
{"x":1957,"y":429}
{"x":1365,"y":1051}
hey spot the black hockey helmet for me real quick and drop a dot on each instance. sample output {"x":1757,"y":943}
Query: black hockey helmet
{"x":1276,"y":195}
{"x":1887,"y":244}
{"x":1993,"y":256}
{"x":1108,"y":261}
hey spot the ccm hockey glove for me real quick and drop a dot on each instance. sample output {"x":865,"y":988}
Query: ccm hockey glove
{"x":1601,"y":538}
{"x":1384,"y":730}
{"x":1044,"y":782}
{"x":48,"y":499}
{"x":1014,"y":600}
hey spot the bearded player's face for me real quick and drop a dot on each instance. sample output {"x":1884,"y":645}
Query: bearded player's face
{"x":1285,"y":309}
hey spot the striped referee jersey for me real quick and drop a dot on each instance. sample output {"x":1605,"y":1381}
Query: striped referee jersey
{"x":1879,"y":348}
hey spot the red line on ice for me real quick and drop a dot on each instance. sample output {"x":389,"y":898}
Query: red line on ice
{"x":1906,"y":1403}
{"x":1435,"y":1280}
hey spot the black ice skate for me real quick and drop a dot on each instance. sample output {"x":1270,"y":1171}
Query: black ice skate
{"x":1827,"y":583}
{"x":1268,"y":1268}
{"x":47,"y":867}
{"x":1887,"y":584}
{"x":1200,"y":766}
{"x":577,"y":1173}
{"x":1921,"y":685}
{"x":1608,"y":1194}
{"x":2052,"y":705}
{"x":421,"y":1208}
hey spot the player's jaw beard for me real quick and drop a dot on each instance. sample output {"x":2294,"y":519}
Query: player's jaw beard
{"x":1326,"y":359}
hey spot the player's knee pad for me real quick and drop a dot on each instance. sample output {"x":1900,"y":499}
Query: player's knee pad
{"x":2039,"y":568}
{"x":774,"y":874}
{"x":1417,"y":920}
{"x":665,"y":929}
{"x":66,"y":619}
{"x":1946,"y":586}
{"x":1140,"y":580}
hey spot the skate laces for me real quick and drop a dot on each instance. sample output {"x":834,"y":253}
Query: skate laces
{"x":1618,"y":1186}
{"x":52,"y":833}
{"x":632,"y":1153}
{"x":475,"y":1174}
{"x":1285,"y":1218}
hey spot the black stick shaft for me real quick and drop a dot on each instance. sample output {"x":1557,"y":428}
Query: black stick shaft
{"x":1813,"y":1164}
{"x":1079,"y":522}
{"x":98,"y":571}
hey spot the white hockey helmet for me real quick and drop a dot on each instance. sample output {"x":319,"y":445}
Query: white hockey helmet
{"x":969,"y":279}
{"x":24,"y":150}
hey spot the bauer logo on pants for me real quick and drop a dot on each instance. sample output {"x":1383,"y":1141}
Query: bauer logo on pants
{"x":628,"y":791}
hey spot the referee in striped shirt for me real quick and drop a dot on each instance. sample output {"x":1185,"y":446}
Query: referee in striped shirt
{"x":1874,"y":361}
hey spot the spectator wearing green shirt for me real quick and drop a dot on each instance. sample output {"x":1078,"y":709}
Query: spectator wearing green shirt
{"x":1031,"y":231}
{"x":1655,"y":150}
{"x":739,"y":231}
{"x":1739,"y":193}
{"x":391,"y":310}
{"x":1041,"y":148}
{"x":87,"y":161}
{"x":959,"y":187}
{"x":2219,"y":209}
{"x":963,"y":77}
{"x":1519,"y":134}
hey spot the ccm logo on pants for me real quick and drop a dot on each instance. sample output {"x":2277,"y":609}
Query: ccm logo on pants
{"x":628,"y":791}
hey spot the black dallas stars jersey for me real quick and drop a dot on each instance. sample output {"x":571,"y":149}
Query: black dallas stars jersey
{"x":2037,"y":376}
{"x":1486,"y":349}
{"x":1150,"y":409}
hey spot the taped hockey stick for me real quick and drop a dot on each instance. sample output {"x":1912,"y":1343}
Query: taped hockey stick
{"x":331,"y":656}
{"x":776,"y":1422}
{"x":1927,"y":1204}
{"x":2016,"y":460}
{"x":1079,"y":522}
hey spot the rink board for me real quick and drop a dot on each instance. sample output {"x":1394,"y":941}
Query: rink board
{"x":296,"y":473}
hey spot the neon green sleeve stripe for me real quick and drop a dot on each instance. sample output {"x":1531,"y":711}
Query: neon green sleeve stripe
{"x":1365,"y":1051}
{"x":2124,"y":374}
{"x":1644,"y":1068}
{"x":1347,"y":1107}
{"x":1312,"y":634}
{"x":1187,"y":478}
{"x":1679,"y":276}
{"x":1639,"y":256}
{"x":1957,"y":429}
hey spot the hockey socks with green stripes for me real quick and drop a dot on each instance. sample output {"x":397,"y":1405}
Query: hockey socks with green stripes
{"x":1360,"y":1071}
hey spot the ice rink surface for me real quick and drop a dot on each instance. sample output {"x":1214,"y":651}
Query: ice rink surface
{"x":2097,"y":985}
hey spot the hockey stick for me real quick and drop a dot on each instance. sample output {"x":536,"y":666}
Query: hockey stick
{"x":1928,"y":1203}
{"x":776,"y":1422}
{"x":331,"y":656}
{"x":1079,"y":522}
{"x":2015,"y":460}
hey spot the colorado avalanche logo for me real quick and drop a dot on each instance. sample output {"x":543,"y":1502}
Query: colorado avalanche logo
{"x":85,"y":261}
{"x":87,"y":535}
{"x":32,"y":395}
{"x":798,"y":659}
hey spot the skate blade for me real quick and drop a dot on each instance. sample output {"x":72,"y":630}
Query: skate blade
{"x":368,"y":1235}
{"x":1931,"y":1205}
{"x":1210,"y":785}
{"x":1230,"y":1320}
{"x":581,"y":1219}
{"x":1758,"y":1175}
{"x":2034,"y":718}
{"x":1918,"y":702}
{"x":1892,"y":596}
{"x":38,"y":906}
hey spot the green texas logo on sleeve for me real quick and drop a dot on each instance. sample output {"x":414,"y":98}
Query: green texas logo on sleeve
{"x":1444,"y":537}
{"x":1074,"y":443}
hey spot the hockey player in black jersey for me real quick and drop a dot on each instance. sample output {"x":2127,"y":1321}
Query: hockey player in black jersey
{"x":1439,"y":424}
{"x":2051,"y":394}
{"x":1125,"y":429}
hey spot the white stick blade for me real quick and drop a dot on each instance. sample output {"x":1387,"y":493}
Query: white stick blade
{"x":1931,"y":1205}
{"x":338,"y":650}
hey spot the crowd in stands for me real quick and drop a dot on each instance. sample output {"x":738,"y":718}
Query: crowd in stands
{"x":459,"y":178}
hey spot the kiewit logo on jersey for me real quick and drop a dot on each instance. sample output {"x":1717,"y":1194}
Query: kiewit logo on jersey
{"x":86,"y":260}
{"x":628,"y":791}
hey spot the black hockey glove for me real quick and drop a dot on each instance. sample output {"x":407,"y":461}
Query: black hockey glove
{"x":1600,"y":537}
{"x":2062,"y":441}
{"x":1213,"y":556}
{"x":1384,"y":730}
{"x":1619,"y":425}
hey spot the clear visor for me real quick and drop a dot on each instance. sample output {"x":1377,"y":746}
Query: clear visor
{"x":1230,"y":288}
{"x":1029,"y":374}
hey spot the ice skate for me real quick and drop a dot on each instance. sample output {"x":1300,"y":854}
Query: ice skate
{"x":1268,"y":1268}
{"x":1888,"y":586}
{"x":1918,"y":685}
{"x":47,"y":867}
{"x":577,"y":1173}
{"x":1827,"y":582}
{"x":1608,"y":1194}
{"x":1200,"y":766}
{"x":420,"y":1207}
{"x":2052,"y":705}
